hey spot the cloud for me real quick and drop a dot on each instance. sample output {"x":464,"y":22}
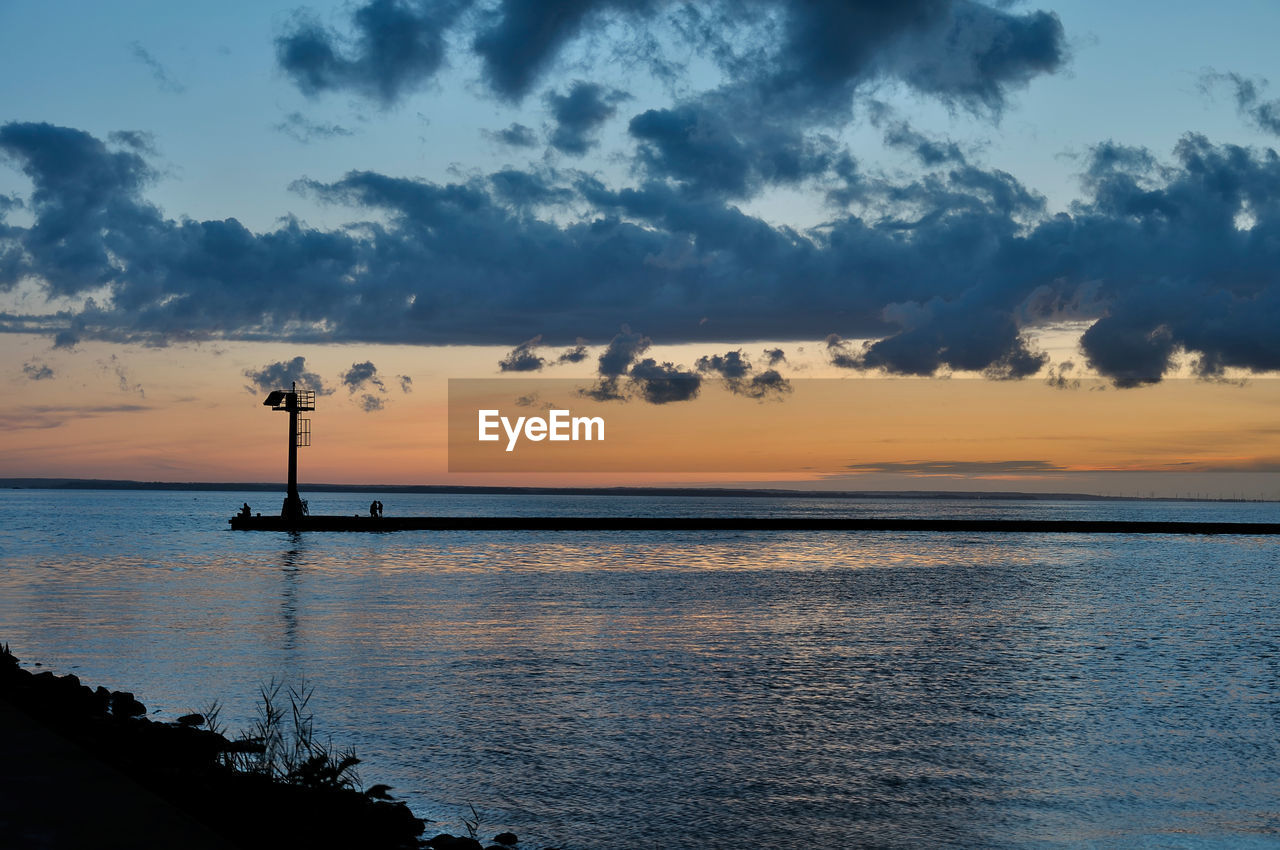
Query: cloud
{"x":973,"y":54}
{"x":1165,"y":259}
{"x":736,"y":371}
{"x":800,"y":58}
{"x":362,"y":375}
{"x":393,"y":48}
{"x":159,"y":73}
{"x":82,"y":190}
{"x":768,"y":383}
{"x":624,"y":349}
{"x":66,"y":339}
{"x":579,"y":113}
{"x":733,"y":366}
{"x":525,"y":190}
{"x":774,"y":356}
{"x":840,"y":354}
{"x":124,"y":381}
{"x":534,"y":401}
{"x":371,"y":403}
{"x":282,"y":374}
{"x":707,"y":152}
{"x":961,"y":467}
{"x":140,"y":141}
{"x":576,"y":354}
{"x":521,"y":39}
{"x":623,"y":372}
{"x":515,"y":135}
{"x":941,"y":335}
{"x":406,"y":384}
{"x":929,"y":152}
{"x":663,"y":383}
{"x":53,"y":416}
{"x":299,"y":128}
{"x":604,"y":389}
{"x":1060,"y":377}
{"x":36,"y":371}
{"x":1263,"y":114}
{"x":522,"y":358}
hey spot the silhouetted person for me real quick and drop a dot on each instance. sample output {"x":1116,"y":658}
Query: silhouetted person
{"x":379,"y":509}
{"x":245,"y":512}
{"x":373,"y":509}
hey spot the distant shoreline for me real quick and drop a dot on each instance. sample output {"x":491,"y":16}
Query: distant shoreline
{"x":458,"y":489}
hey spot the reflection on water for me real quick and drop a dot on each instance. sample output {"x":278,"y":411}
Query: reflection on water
{"x":705,"y":688}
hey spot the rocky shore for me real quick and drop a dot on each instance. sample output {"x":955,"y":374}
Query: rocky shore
{"x":61,"y":738}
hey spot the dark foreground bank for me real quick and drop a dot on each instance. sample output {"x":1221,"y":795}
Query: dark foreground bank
{"x":84,"y":767}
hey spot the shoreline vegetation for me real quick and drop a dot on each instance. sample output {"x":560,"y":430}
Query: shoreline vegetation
{"x":276,"y":785}
{"x":481,"y":490}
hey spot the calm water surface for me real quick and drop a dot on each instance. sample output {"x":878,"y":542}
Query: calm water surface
{"x":713,"y":689}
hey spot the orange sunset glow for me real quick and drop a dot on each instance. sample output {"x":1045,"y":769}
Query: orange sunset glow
{"x":204,"y":424}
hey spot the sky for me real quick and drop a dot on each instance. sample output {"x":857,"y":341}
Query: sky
{"x":1040,"y":241}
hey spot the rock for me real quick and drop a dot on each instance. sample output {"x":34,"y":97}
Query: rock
{"x":507,"y":838}
{"x":191,"y":720}
{"x":445,"y":841}
{"x":379,"y":792}
{"x":124,"y":705}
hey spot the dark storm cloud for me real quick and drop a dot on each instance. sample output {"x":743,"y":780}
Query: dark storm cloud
{"x":579,"y":113}
{"x":802,"y":58}
{"x":361,"y":376}
{"x":795,"y":71}
{"x":168,"y":279}
{"x":299,"y":128}
{"x":973,"y":54}
{"x":81,"y":190}
{"x":282,"y":374}
{"x":1168,"y":258}
{"x":523,"y":358}
{"x":707,"y":151}
{"x":1184,"y":271}
{"x":393,"y":48}
{"x":522,"y":38}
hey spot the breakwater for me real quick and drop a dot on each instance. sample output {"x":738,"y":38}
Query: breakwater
{"x":737,"y":523}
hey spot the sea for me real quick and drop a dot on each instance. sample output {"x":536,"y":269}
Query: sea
{"x":702,"y":689}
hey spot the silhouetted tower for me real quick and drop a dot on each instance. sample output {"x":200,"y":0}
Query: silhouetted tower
{"x":294,"y":400}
